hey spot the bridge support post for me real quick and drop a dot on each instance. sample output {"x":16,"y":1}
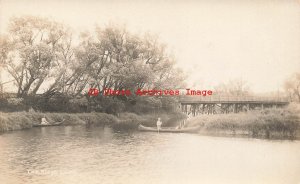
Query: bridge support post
{"x":213,"y":105}
{"x":235,"y":108}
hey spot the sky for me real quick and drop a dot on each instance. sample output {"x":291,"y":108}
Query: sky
{"x":213,"y":41}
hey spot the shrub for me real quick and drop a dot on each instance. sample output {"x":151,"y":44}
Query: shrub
{"x":270,"y":123}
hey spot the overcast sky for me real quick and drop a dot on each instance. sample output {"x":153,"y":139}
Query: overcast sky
{"x":213,"y":41}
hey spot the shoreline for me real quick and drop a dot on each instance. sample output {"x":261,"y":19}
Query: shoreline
{"x":269,"y":123}
{"x":282,"y":124}
{"x":248,"y":134}
{"x":125,"y":121}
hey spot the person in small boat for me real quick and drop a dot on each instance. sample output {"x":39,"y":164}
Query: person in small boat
{"x":158,"y":124}
{"x":44,"y":121}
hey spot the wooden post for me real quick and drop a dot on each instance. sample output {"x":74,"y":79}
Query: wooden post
{"x":194,"y":109}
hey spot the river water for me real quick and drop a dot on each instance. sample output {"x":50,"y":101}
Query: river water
{"x":75,"y":154}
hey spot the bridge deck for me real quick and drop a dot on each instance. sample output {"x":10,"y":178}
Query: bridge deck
{"x":231,"y":100}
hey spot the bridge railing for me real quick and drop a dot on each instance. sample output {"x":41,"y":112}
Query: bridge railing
{"x":214,"y":98}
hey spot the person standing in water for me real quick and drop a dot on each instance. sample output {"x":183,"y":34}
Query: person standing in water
{"x":158,"y":124}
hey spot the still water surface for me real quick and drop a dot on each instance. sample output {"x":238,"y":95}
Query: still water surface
{"x":74,"y":155}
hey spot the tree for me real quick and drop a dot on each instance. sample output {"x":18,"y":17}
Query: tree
{"x":5,"y":48}
{"x":114,"y":58}
{"x":36,"y":52}
{"x":233,"y":88}
{"x":40,"y":52}
{"x":292,"y":86}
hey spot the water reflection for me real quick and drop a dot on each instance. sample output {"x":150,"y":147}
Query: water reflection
{"x":99,"y":155}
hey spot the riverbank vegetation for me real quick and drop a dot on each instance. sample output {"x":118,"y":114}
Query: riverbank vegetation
{"x":268,"y":123}
{"x":52,"y":74}
{"x":125,"y":121}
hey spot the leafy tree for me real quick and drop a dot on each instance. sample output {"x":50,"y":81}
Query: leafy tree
{"x":36,"y":52}
{"x":40,"y":52}
{"x":233,"y":88}
{"x":117,"y":59}
{"x":292,"y":86}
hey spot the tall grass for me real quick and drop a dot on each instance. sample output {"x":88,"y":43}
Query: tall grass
{"x":269,"y":123}
{"x":22,"y":120}
{"x":14,"y":121}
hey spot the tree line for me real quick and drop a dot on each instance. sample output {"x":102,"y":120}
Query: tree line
{"x":47,"y":57}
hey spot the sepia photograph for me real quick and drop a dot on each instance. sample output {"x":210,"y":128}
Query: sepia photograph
{"x":149,"y":92}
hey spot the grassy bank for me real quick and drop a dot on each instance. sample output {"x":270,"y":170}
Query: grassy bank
{"x":269,"y":123}
{"x":23,"y":120}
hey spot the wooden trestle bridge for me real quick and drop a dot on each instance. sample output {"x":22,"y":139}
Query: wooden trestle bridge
{"x":195,"y":105}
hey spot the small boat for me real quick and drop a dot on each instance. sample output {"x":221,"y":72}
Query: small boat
{"x":169,"y":129}
{"x":46,"y":125}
